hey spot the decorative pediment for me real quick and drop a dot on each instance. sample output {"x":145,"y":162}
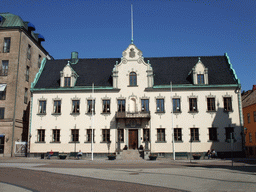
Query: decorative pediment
{"x":132,"y":57}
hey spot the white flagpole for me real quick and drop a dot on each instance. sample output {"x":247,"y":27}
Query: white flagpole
{"x":173,"y":148}
{"x":92,"y":118}
{"x":132,"y":23}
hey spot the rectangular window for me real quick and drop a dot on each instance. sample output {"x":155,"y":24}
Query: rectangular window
{"x":75,"y":106}
{"x":250,"y":137}
{"x":177,"y":134}
{"x":121,"y":105}
{"x":26,"y":96}
{"x":7,"y":44}
{"x":194,"y":134}
{"x":4,"y":68}
{"x":229,"y":132}
{"x":39,"y":61}
{"x":193,"y":104}
{"x":66,"y":81}
{"x":106,"y":106}
{"x":41,"y":135}
{"x":200,"y":79}
{"x":89,"y":135}
{"x":133,"y":79}
{"x":27,"y":73}
{"x":160,"y":135}
{"x":254,"y":116}
{"x":213,"y":134}
{"x":105,"y":135}
{"x":29,"y":52}
{"x":74,"y":135}
{"x":121,"y":135}
{"x":57,"y":106}
{"x":227,"y":104}
{"x":144,"y":105}
{"x":56,"y":135}
{"x":211,"y":104}
{"x":1,"y":113}
{"x":176,"y":105}
{"x":248,"y":118}
{"x":2,"y":91}
{"x":146,"y":135}
{"x":160,"y":105}
{"x":91,"y":106}
{"x":42,"y":107}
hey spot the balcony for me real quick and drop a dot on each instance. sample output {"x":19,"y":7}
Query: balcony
{"x":131,"y":115}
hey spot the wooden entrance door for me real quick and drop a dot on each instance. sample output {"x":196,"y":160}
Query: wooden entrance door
{"x":133,"y":138}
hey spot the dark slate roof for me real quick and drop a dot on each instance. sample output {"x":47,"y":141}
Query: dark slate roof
{"x":166,"y":69}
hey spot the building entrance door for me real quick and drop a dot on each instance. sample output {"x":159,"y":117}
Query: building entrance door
{"x":133,"y":138}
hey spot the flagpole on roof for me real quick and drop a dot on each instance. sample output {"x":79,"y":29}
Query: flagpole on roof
{"x":92,"y":135}
{"x":173,"y":147}
{"x":132,"y":23}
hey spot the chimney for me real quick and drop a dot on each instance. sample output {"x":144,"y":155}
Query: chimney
{"x":74,"y":57}
{"x":253,"y":87}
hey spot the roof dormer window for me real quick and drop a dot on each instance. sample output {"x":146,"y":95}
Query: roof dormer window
{"x":200,"y":73}
{"x":200,"y":79}
{"x":68,"y":76}
{"x":67,"y":81}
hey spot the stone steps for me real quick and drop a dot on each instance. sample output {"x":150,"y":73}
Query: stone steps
{"x":131,"y":155}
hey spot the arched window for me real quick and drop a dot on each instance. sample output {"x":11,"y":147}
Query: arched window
{"x":133,"y":79}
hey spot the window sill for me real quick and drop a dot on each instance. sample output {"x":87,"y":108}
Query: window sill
{"x":90,"y":113}
{"x":105,"y":113}
{"x":74,"y":113}
{"x":195,"y":141}
{"x":179,"y":141}
{"x":132,"y":85}
{"x":41,"y":113}
{"x":160,"y":141}
{"x":193,"y":112}
{"x":56,"y":113}
{"x":40,"y":142}
{"x":74,"y":142}
{"x":105,"y":142}
{"x":177,"y":111}
{"x":89,"y":142}
{"x":55,"y":142}
{"x":213,"y":140}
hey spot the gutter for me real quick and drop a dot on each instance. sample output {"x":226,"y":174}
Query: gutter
{"x":15,"y":98}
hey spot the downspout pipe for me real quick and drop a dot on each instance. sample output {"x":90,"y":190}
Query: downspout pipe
{"x":15,"y":99}
{"x":238,"y":91}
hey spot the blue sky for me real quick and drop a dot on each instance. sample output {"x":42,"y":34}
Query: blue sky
{"x":102,"y":29}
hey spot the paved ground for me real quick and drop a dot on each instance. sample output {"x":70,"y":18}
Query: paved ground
{"x":33,"y":174}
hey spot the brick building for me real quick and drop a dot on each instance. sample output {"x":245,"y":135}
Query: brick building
{"x":249,"y":111}
{"x":21,"y":54}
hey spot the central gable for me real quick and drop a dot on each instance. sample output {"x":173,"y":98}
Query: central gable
{"x":132,"y":71}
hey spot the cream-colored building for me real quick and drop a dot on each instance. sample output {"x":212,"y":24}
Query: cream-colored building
{"x":137,"y":100}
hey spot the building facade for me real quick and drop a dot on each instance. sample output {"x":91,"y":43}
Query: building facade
{"x":136,"y":102}
{"x":21,"y":54}
{"x":249,"y":111}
